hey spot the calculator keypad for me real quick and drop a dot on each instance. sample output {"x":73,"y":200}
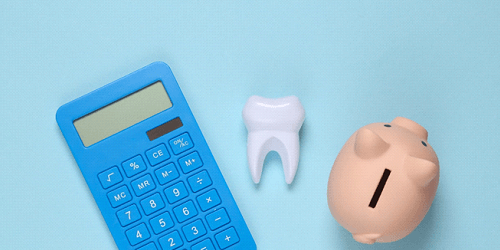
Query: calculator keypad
{"x":171,"y":194}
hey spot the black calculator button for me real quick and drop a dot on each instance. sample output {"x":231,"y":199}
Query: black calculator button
{"x":190,"y":162}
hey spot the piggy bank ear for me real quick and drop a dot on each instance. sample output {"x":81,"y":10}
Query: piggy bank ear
{"x":420,"y":171}
{"x":414,"y":127}
{"x":368,"y":144}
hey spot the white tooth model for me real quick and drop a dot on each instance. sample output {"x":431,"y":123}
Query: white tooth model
{"x":273,"y":125}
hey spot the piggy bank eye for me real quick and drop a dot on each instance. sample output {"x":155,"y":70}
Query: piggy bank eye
{"x":423,"y":143}
{"x":387,"y":125}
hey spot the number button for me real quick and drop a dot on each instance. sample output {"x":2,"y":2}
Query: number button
{"x":199,"y":181}
{"x":137,"y":234}
{"x":150,"y":246}
{"x":190,"y":162}
{"x":181,"y":143}
{"x":208,"y":200}
{"x":110,"y":177}
{"x":194,"y":230}
{"x":128,"y":215}
{"x":185,"y":211}
{"x":161,"y":223}
{"x":217,"y":219}
{"x":152,"y":204}
{"x":227,"y":238}
{"x":157,"y":154}
{"x":143,"y":185}
{"x":119,"y":196}
{"x":176,"y":192}
{"x":171,"y":241}
{"x":166,"y":174}
{"x":204,"y":245}
{"x":134,"y":166}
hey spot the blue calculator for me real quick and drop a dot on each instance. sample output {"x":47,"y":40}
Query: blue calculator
{"x":149,"y":167}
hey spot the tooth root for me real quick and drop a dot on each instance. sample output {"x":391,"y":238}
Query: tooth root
{"x":273,"y":125}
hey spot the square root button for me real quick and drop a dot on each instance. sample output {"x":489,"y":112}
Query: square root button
{"x":110,"y":177}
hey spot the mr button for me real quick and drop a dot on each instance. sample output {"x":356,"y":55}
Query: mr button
{"x":157,"y":154}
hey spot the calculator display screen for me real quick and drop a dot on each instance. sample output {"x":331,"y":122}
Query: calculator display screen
{"x":121,"y":114}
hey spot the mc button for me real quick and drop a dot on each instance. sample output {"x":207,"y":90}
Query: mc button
{"x":119,"y":196}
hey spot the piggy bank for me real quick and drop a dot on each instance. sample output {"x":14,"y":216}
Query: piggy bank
{"x":383,"y":181}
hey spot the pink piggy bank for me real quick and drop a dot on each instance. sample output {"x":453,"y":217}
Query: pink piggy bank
{"x":383,"y":181}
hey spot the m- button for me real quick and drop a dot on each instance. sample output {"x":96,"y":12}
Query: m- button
{"x":157,"y":154}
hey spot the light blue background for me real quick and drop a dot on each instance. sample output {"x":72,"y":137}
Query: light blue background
{"x":351,"y":63}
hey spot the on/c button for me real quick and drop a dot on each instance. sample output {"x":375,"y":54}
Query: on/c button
{"x":157,"y":154}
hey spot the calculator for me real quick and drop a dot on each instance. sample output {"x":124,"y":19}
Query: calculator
{"x":149,"y":167}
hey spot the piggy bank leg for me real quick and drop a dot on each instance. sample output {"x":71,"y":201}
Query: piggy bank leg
{"x":366,"y":238}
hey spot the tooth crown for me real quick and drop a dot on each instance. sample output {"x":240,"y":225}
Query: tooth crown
{"x":285,"y":114}
{"x":273,"y":125}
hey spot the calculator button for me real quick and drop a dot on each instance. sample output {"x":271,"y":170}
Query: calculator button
{"x":137,"y":234}
{"x":150,"y":246}
{"x":208,"y":200}
{"x":185,"y":211}
{"x":143,"y":185}
{"x":227,"y":238}
{"x":134,"y":166}
{"x":128,"y":215}
{"x":217,"y":219}
{"x":166,"y":174}
{"x":171,"y":241}
{"x":110,"y":177}
{"x":157,"y":154}
{"x":199,"y":181}
{"x":152,"y":204}
{"x":181,"y":143}
{"x":194,"y":230}
{"x":161,"y":222}
{"x":190,"y":162}
{"x":176,"y":192}
{"x":204,"y":245}
{"x":119,"y":196}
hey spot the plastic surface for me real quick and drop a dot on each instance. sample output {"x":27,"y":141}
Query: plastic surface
{"x":273,"y":125}
{"x":126,"y":152}
{"x":383,"y":181}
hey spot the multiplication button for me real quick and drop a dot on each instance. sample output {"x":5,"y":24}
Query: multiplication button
{"x":208,"y":200}
{"x":110,"y":177}
{"x":227,"y":238}
{"x":181,"y":143}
